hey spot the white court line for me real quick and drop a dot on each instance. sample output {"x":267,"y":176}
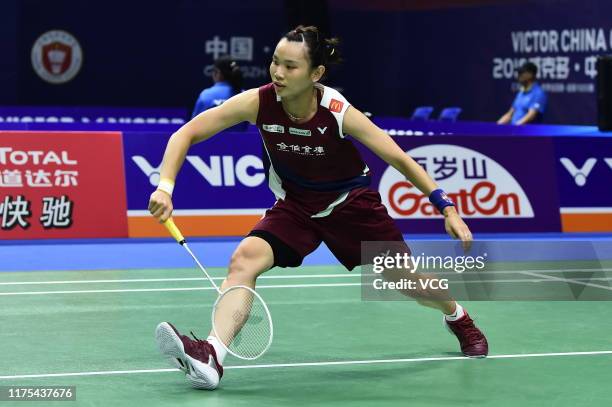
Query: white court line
{"x":152,"y":280}
{"x":566,"y":280}
{"x":540,"y":279}
{"x":137,"y":290}
{"x":314,"y":364}
{"x":281,"y":277}
{"x":144,"y":290}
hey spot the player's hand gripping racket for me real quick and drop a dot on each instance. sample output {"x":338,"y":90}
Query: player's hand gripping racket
{"x":240,"y":318}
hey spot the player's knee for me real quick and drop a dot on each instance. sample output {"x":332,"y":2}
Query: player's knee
{"x":247,"y":263}
{"x":238,"y":264}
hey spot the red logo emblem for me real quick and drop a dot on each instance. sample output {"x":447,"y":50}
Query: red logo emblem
{"x":57,"y":57}
{"x":336,"y":106}
{"x":482,"y":199}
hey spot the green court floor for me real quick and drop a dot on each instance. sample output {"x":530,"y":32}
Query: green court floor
{"x":94,"y":330}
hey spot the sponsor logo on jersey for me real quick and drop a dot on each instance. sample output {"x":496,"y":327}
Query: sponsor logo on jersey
{"x":299,"y":132}
{"x":274,"y":128}
{"x":322,"y":129}
{"x":336,"y":106}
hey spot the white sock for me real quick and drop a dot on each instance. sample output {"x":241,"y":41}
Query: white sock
{"x":219,"y":349}
{"x":458,"y":314}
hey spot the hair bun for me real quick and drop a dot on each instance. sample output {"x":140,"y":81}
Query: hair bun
{"x":320,"y":50}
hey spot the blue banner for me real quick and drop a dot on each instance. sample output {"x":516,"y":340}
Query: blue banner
{"x":585,"y":172}
{"x":460,"y":56}
{"x":499,"y":184}
{"x":117,"y":53}
{"x":224,"y":172}
{"x":467,"y":57}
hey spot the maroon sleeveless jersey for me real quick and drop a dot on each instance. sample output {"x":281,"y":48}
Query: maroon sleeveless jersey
{"x":312,"y":163}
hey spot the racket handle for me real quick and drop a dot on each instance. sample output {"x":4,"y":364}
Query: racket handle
{"x":174,"y":231}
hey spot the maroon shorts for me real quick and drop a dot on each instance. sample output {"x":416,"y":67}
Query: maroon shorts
{"x":293,"y":234}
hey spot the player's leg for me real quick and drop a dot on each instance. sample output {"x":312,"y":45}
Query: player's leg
{"x":364,"y":218}
{"x":282,"y":239}
{"x":420,"y":290}
{"x":252,"y":257}
{"x":202,"y":360}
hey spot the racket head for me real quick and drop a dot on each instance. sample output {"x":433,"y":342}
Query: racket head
{"x":242,"y":322}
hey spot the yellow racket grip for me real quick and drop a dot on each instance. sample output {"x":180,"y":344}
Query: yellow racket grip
{"x":174,"y":231}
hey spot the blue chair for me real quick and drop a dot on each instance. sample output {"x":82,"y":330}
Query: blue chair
{"x":450,"y":114}
{"x":422,"y":113}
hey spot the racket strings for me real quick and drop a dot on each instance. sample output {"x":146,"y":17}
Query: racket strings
{"x":241,"y":321}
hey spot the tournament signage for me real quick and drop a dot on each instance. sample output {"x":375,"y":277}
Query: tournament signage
{"x":562,"y":38}
{"x":479,"y":186}
{"x":90,"y":118}
{"x":492,"y":189}
{"x":61,"y":185}
{"x":584,"y":170}
{"x":220,"y":190}
{"x":73,"y":184}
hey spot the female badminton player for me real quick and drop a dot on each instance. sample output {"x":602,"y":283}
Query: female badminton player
{"x":319,"y":179}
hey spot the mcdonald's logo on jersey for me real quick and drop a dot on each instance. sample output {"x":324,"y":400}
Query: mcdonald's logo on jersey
{"x":335,"y":106}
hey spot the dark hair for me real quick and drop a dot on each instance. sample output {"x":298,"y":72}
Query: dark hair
{"x":230,"y":71}
{"x":321,"y":51}
{"x":528,"y":67}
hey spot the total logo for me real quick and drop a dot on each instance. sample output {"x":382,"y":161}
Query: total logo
{"x":34,"y":157}
{"x":56,"y":56}
{"x":479,"y":186}
{"x":581,"y":174}
{"x":220,"y":171}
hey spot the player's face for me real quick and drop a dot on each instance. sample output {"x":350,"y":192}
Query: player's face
{"x":290,"y":68}
{"x":525,"y":78}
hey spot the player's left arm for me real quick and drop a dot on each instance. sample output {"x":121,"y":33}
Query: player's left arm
{"x":362,"y":129}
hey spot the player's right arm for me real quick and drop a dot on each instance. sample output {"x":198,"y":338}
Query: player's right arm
{"x":242,"y":107}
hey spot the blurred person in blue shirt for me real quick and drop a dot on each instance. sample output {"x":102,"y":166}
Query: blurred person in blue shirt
{"x":228,"y":82}
{"x":530,"y":102}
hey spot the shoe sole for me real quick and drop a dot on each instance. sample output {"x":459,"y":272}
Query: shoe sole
{"x":453,"y":334}
{"x":198,"y":374}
